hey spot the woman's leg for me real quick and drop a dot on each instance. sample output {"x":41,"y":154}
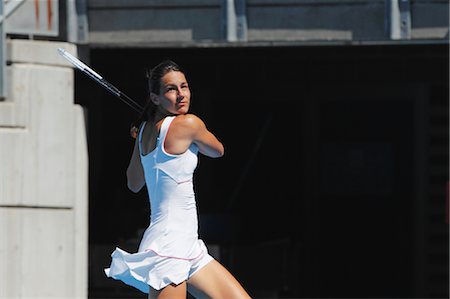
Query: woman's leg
{"x":214,"y":281}
{"x":171,"y":291}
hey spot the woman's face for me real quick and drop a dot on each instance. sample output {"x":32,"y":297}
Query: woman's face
{"x":175,"y":96}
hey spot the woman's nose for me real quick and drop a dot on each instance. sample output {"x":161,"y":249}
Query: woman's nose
{"x":180,"y":92}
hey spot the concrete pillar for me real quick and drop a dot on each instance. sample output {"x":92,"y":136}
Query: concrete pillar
{"x":43,"y":177}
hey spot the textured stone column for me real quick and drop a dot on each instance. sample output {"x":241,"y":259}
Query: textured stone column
{"x":43,"y":177}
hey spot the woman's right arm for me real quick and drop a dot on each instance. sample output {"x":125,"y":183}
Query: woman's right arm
{"x":135,"y":172}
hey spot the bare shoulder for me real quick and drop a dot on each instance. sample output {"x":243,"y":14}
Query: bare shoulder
{"x":189,"y":122}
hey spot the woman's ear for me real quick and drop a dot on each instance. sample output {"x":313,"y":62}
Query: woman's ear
{"x":154,"y":98}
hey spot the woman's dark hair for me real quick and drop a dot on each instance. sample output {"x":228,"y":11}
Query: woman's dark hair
{"x":154,"y":76}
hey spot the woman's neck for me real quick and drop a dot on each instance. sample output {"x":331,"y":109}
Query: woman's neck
{"x":159,"y":115}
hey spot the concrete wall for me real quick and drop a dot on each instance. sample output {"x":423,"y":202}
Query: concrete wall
{"x":129,"y":23}
{"x":118,"y":22}
{"x":43,"y":177}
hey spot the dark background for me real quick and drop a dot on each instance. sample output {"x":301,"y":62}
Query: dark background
{"x":334,"y":179}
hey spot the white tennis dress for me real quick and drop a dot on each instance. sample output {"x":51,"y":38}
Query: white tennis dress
{"x":170,"y":250}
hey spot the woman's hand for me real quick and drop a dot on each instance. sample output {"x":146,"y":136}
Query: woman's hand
{"x":134,"y":132}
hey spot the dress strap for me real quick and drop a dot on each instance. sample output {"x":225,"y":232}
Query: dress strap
{"x":164,"y":129}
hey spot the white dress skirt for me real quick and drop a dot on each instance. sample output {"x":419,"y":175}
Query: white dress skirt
{"x":148,"y":268}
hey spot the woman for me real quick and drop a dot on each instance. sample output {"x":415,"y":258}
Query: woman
{"x":171,"y":259}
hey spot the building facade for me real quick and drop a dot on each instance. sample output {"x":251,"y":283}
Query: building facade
{"x":334,"y":116}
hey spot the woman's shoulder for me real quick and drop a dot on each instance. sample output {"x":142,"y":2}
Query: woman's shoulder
{"x":188,"y":120}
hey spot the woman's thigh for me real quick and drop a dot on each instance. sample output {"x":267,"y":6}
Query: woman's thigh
{"x":215,"y":281}
{"x":171,"y":291}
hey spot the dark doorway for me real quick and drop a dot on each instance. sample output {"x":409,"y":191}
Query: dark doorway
{"x":317,"y":194}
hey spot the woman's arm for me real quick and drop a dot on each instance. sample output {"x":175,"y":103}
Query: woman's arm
{"x":187,"y":129}
{"x":207,"y":143}
{"x":135,"y":172}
